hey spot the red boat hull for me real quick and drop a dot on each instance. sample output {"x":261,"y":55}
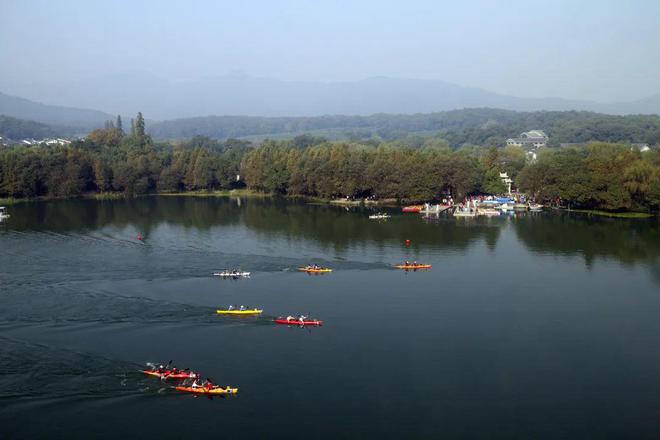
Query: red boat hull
{"x":412,"y":208}
{"x":181,"y":375}
{"x":313,"y":322}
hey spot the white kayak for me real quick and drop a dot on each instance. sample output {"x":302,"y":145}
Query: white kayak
{"x":231,"y":274}
{"x":378,"y":216}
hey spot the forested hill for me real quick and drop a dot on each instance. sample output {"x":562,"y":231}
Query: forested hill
{"x":21,"y":108}
{"x":17,"y":129}
{"x":482,"y":126}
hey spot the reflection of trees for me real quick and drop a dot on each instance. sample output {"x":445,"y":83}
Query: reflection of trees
{"x":143,"y":213}
{"x":332,"y":226}
{"x":629,"y":241}
{"x":327,"y":225}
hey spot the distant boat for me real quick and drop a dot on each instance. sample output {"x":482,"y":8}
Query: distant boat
{"x":231,"y":274}
{"x":489,"y":212}
{"x":535,"y":207}
{"x":466,"y":211}
{"x":3,"y":213}
{"x":413,"y":208}
{"x":379,"y":216}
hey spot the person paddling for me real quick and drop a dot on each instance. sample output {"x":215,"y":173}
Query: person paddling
{"x":209,"y":385}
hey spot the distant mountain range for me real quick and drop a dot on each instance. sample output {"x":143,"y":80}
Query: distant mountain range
{"x":161,"y":99}
{"x":72,"y":118}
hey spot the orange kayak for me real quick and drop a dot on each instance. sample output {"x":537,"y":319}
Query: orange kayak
{"x":201,"y":390}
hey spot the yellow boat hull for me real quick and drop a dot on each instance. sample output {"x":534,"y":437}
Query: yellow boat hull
{"x":201,"y":390}
{"x":304,"y":269}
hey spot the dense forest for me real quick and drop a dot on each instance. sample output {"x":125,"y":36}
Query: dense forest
{"x":600,"y":175}
{"x":486,"y":127}
{"x":468,"y":126}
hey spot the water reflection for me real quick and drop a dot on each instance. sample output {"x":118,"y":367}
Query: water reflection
{"x":628,"y":241}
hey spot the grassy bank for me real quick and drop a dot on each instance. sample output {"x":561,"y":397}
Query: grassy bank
{"x":223,"y":193}
{"x":614,"y":214}
{"x":104,"y":196}
{"x":10,"y":201}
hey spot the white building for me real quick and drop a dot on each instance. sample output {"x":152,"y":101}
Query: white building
{"x":57,"y":141}
{"x":530,"y":139}
{"x":643,"y":148}
{"x":47,"y":141}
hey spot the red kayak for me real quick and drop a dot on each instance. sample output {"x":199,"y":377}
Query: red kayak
{"x":171,"y":375}
{"x":412,"y":208}
{"x":284,"y":321}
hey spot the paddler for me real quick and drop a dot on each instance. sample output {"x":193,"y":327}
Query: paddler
{"x":230,"y":308}
{"x":289,"y":318}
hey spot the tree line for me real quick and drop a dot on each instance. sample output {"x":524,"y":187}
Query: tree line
{"x":110,"y":160}
{"x":600,"y":175}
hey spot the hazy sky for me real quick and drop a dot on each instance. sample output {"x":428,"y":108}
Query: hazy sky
{"x":591,"y":49}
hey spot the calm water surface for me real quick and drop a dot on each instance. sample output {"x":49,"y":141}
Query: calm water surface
{"x":535,"y":326}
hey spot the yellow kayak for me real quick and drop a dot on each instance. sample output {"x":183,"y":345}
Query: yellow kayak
{"x":201,"y":390}
{"x":312,"y":270}
{"x":239,"y":312}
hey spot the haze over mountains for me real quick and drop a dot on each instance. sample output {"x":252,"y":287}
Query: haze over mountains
{"x":22,"y":108}
{"x":240,"y":94}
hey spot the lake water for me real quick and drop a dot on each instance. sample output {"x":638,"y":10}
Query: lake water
{"x":534,"y":326}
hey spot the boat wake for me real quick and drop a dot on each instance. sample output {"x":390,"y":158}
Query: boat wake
{"x":31,"y":371}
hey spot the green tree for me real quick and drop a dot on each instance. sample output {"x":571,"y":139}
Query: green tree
{"x":140,"y":134}
{"x":119,"y":126}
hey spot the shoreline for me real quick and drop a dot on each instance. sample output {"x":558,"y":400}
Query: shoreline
{"x":248,"y":193}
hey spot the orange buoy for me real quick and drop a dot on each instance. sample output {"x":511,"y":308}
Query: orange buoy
{"x":139,"y":237}
{"x":407,"y":242}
